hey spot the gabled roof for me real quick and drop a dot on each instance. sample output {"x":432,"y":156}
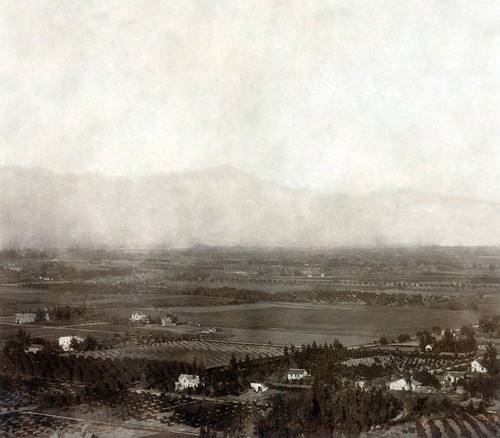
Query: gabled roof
{"x":397,"y":380}
{"x":297,"y":370}
{"x":188,"y":377}
{"x":413,"y":382}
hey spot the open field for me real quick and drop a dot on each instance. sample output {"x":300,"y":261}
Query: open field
{"x":280,"y":323}
{"x":351,"y":324}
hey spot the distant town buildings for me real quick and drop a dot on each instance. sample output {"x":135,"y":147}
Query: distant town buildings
{"x":187,"y":381}
{"x":25,"y":318}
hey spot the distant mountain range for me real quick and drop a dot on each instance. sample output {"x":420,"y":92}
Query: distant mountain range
{"x":224,"y":206}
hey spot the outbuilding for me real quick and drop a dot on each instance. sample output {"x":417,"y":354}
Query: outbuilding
{"x":25,"y":318}
{"x":258,"y":387}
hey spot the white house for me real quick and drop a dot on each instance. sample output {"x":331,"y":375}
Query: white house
{"x":187,"y":381}
{"x":209,"y":330}
{"x":25,"y":318}
{"x":65,"y":342}
{"x":258,"y":387}
{"x":361,"y":384}
{"x":137,"y":316}
{"x":296,"y":373}
{"x":403,"y":385}
{"x":34,"y":348}
{"x":477,"y":367}
{"x":453,"y":377}
{"x":428,"y":347}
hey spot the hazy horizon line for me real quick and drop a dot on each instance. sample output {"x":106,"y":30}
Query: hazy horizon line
{"x":231,"y":167}
{"x":203,"y":246}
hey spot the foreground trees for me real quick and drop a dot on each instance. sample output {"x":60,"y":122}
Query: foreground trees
{"x":328,"y":411}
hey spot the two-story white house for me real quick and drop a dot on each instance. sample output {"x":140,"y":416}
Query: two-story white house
{"x":296,"y":374}
{"x":137,"y":316}
{"x":65,"y":342}
{"x":187,"y":381}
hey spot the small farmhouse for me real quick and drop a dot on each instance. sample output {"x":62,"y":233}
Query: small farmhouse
{"x":34,"y":348}
{"x":25,"y":318}
{"x":477,"y":367}
{"x":453,"y":377}
{"x":403,"y":385}
{"x":137,"y":316}
{"x":361,"y":384}
{"x":166,"y":320}
{"x":65,"y":342}
{"x":258,"y":387}
{"x":428,"y":348}
{"x":296,"y":373}
{"x":187,"y":381}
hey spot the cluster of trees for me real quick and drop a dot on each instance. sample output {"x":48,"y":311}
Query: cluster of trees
{"x":61,"y":312}
{"x":88,"y":344}
{"x":23,"y":340}
{"x":236,"y":377}
{"x":403,"y":337}
{"x":328,"y":410}
{"x":448,"y":342}
{"x":16,"y":253}
{"x":109,"y":376}
{"x":490,"y":325}
{"x":240,"y":295}
{"x":254,"y":296}
{"x":483,"y":386}
{"x":490,"y":360}
{"x":370,"y":298}
{"x":213,"y":417}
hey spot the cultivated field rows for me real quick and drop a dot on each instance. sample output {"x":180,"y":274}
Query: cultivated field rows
{"x":479,"y":426}
{"x":211,"y":353}
{"x":406,"y":362}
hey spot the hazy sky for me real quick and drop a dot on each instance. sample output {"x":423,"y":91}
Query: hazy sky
{"x":334,"y":95}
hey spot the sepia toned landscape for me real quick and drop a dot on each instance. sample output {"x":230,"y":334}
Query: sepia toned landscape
{"x":274,"y":219}
{"x":383,"y":341}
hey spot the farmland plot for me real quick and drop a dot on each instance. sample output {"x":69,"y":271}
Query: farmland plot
{"x":405,"y":362}
{"x":465,"y":426}
{"x":211,"y":353}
